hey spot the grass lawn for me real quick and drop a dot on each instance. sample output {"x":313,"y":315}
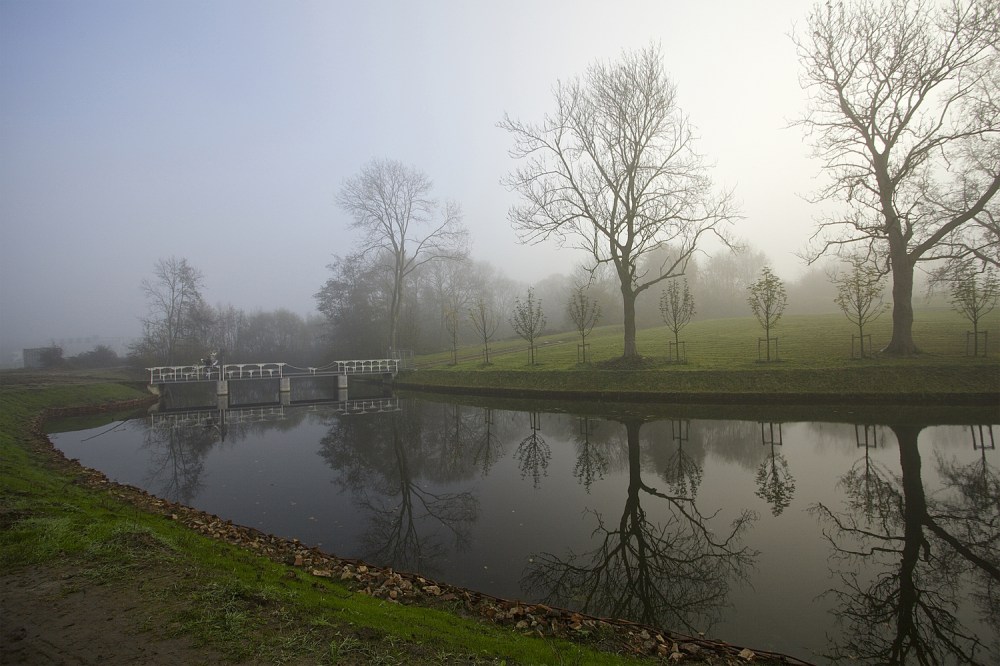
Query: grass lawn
{"x":721,"y":357}
{"x":201,"y":588}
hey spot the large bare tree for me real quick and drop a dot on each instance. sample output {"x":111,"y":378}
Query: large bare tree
{"x":614,"y":171}
{"x":392,"y":207}
{"x":177,"y":312}
{"x":904,"y":113}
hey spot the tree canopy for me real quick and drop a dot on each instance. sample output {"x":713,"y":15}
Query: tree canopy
{"x":614,"y":171}
{"x":904,"y":114}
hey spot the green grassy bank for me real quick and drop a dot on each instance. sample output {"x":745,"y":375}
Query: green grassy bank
{"x":293,"y":606}
{"x":721,"y":364}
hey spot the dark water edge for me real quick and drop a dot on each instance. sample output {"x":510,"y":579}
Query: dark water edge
{"x":378,"y":465}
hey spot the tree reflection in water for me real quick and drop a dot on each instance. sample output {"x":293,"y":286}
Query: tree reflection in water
{"x":488,"y":446}
{"x":533,"y":453}
{"x":591,"y":456}
{"x":177,"y":460}
{"x":178,"y":449}
{"x":918,"y":553}
{"x":672,"y":571}
{"x":682,"y":472}
{"x":775,"y":483}
{"x":388,"y":464}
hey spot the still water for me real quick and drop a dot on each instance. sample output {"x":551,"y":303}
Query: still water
{"x":830,"y":535}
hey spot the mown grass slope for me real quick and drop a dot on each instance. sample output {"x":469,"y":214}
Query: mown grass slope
{"x":721,"y":357}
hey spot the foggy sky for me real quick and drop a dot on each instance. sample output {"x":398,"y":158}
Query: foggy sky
{"x":220,"y":131}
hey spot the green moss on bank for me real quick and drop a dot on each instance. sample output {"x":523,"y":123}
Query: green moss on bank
{"x":226,"y":597}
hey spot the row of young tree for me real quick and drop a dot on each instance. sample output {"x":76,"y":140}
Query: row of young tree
{"x":463,"y":302}
{"x":903,"y":112}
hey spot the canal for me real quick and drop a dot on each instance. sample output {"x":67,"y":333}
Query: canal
{"x":830,"y":533}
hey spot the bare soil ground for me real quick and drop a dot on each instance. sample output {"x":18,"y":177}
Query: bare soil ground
{"x":61,"y":616}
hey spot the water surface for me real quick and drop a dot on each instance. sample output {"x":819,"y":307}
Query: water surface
{"x":867,"y":536}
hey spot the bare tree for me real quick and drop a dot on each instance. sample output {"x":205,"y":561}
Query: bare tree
{"x":451,"y":290}
{"x":975,"y":295}
{"x":859,"y":294}
{"x":904,"y":115}
{"x":452,"y":326}
{"x":584,"y":312}
{"x":528,"y":320}
{"x":176,"y":310}
{"x":614,"y":172}
{"x":484,"y":318}
{"x":767,"y":300}
{"x":351,"y":301}
{"x":392,"y":207}
{"x":676,"y":308}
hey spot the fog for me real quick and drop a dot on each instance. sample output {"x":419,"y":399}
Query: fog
{"x":221,"y":131}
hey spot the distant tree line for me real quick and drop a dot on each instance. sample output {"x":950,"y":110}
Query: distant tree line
{"x":460,"y":302}
{"x":181,"y":328}
{"x":903,"y":113}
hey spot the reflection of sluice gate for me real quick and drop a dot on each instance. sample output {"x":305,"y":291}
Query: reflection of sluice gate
{"x":204,"y":418}
{"x":207,"y":418}
{"x":368,"y":406}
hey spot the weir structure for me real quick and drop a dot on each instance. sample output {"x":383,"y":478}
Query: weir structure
{"x":222,"y":375}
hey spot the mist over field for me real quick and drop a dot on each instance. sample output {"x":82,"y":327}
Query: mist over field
{"x":221,"y":132}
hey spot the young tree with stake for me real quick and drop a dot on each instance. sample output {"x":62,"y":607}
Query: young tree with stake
{"x":584,"y":312}
{"x":483,"y":315}
{"x":767,"y":299}
{"x":975,"y":295}
{"x":859,"y":294}
{"x":528,"y":321}
{"x":677,"y":309}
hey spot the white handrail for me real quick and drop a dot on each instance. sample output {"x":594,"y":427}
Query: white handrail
{"x":181,"y":373}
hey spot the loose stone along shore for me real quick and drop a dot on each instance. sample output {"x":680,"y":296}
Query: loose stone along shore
{"x":401,"y":587}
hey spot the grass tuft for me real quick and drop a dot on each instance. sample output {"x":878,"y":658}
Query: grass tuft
{"x":229,"y":600}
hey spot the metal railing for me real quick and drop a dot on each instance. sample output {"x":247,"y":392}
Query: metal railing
{"x":194,"y":373}
{"x":374,"y":366}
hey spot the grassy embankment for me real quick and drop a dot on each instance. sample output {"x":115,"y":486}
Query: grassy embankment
{"x":722,"y":364}
{"x":226,"y":598}
{"x":245,"y":606}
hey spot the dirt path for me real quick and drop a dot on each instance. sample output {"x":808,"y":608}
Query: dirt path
{"x":60,"y":617}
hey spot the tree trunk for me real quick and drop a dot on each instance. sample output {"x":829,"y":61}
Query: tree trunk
{"x":902,"y":343}
{"x":394,"y":308}
{"x":628,"y":298}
